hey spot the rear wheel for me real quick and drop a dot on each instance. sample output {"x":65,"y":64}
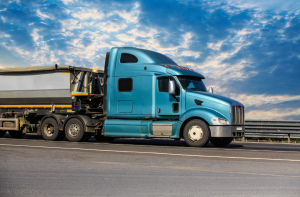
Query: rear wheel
{"x":196,"y":133}
{"x":2,"y":133}
{"x":16,"y":134}
{"x":221,"y":142}
{"x":74,"y":130}
{"x":50,"y":130}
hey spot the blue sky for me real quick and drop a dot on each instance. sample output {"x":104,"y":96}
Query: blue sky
{"x":248,"y":50}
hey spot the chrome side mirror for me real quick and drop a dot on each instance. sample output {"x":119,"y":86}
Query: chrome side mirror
{"x":171,"y":89}
{"x":210,"y":90}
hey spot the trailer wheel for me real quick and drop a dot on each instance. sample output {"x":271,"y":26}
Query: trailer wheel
{"x":2,"y":133}
{"x":74,"y":130}
{"x":16,"y":134}
{"x":101,"y":138}
{"x":221,"y":142}
{"x":50,"y":130}
{"x":196,"y":133}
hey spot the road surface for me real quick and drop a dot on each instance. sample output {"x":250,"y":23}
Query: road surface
{"x":142,"y":167}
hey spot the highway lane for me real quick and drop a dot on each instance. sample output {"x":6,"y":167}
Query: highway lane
{"x":135,"y":167}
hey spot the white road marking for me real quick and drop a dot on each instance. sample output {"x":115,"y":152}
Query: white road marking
{"x":174,"y":147}
{"x":152,"y":153}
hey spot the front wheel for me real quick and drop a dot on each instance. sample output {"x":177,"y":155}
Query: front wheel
{"x":221,"y":142}
{"x":196,"y":133}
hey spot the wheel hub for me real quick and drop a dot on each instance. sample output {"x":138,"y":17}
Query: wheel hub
{"x":49,"y":129}
{"x":195,"y":133}
{"x":74,"y":130}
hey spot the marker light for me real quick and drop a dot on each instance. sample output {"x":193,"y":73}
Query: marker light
{"x":167,"y":66}
{"x":186,"y":68}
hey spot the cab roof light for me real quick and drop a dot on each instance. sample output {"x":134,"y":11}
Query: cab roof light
{"x":186,"y":68}
{"x":168,"y":66}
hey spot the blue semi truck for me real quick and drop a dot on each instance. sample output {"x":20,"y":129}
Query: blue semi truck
{"x":140,"y":94}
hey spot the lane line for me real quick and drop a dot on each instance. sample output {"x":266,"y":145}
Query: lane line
{"x":174,"y":147}
{"x":159,"y":145}
{"x":194,"y":169}
{"x":152,"y":153}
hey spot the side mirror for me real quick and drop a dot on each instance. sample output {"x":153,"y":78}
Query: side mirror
{"x":171,"y":87}
{"x":210,"y":90}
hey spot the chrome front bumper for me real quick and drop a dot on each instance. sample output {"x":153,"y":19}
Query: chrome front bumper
{"x":227,"y":131}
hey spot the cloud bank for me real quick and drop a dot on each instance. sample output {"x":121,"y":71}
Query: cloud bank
{"x":247,"y":50}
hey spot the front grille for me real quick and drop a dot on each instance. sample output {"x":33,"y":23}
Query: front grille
{"x":237,"y":115}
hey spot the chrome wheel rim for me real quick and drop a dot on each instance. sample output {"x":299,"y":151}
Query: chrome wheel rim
{"x":195,"y":133}
{"x":74,"y":130}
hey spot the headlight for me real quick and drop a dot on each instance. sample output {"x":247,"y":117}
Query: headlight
{"x":220,"y":121}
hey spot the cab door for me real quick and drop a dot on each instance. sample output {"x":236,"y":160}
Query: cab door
{"x":166,"y":105}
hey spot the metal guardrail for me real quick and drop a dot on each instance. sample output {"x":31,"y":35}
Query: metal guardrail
{"x":272,"y":129}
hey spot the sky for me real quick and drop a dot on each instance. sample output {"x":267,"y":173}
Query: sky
{"x":248,"y":50}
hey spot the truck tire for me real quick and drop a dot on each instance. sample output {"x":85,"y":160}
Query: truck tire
{"x":2,"y":133}
{"x":50,"y":130}
{"x":221,"y":142}
{"x":196,"y":133}
{"x":74,"y":130}
{"x":101,"y":138}
{"x":16,"y":134}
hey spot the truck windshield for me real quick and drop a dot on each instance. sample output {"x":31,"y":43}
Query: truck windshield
{"x":192,"y":83}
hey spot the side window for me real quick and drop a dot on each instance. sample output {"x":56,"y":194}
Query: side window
{"x":128,"y":58}
{"x":163,"y":85}
{"x":125,"y":84}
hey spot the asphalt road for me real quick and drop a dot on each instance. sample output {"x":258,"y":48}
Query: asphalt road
{"x":133,"y":167}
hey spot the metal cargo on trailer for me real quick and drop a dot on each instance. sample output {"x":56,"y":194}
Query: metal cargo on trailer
{"x":50,"y":98}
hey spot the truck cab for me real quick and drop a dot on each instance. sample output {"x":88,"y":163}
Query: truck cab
{"x":150,"y":96}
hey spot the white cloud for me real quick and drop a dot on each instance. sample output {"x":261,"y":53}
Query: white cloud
{"x":187,"y":39}
{"x":66,"y":2}
{"x":189,"y":53}
{"x":125,"y":37}
{"x":86,"y":13}
{"x":215,"y":46}
{"x":275,"y":114}
{"x":147,"y":32}
{"x":35,"y":36}
{"x":131,"y":16}
{"x":278,"y":5}
{"x":119,"y":44}
{"x":112,"y":26}
{"x":71,"y":24}
{"x":43,"y":15}
{"x":246,"y":31}
{"x":262,"y":99}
